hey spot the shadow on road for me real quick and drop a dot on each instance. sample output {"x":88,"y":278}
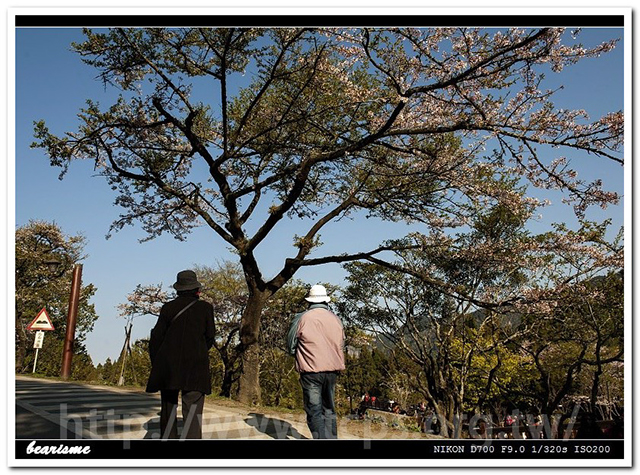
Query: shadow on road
{"x":274,"y":428}
{"x":33,"y":426}
{"x":152,"y":426}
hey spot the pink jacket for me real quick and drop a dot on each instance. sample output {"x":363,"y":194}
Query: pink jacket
{"x":317,"y":337}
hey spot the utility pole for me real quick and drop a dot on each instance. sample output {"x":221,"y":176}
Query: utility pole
{"x":72,"y":316}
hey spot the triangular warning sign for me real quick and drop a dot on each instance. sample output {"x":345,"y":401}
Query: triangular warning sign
{"x":41,"y":322}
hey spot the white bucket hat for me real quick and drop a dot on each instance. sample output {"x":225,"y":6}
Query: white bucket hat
{"x":317,"y":294}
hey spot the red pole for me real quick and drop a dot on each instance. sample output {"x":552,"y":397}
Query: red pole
{"x":74,"y":298}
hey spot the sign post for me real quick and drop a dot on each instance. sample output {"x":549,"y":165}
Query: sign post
{"x":40,"y":324}
{"x":37,"y":344}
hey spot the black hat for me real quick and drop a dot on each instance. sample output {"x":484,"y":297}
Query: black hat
{"x":187,"y":280}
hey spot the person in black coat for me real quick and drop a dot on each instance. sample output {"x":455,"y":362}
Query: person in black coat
{"x":179,"y":350}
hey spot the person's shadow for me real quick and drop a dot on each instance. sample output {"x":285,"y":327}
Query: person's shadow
{"x":152,"y":426}
{"x":275,"y":428}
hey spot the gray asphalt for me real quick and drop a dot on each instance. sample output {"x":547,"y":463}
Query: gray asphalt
{"x":33,"y":426}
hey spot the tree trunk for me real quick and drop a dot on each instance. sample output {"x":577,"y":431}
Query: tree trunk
{"x":249,"y":381}
{"x":442,"y":419}
{"x":227,"y":381}
{"x":595,"y":388}
{"x":458,"y":414}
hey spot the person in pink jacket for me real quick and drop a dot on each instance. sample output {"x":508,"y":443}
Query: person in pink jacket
{"x":316,"y":339}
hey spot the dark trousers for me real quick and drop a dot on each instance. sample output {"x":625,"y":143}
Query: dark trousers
{"x":192,"y":405}
{"x":318,"y":390}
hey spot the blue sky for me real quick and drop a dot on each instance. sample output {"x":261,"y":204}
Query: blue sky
{"x":52,"y":84}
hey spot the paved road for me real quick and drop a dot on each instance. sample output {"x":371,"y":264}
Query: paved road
{"x":62,"y":410}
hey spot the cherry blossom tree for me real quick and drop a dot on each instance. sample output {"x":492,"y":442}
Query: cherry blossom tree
{"x":461,"y":306}
{"x":574,"y":315}
{"x":144,"y":300}
{"x":437,"y":304}
{"x":240,"y":129}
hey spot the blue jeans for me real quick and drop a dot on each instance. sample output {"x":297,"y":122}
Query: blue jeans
{"x":318,"y":390}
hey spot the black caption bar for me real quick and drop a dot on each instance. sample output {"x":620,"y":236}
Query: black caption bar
{"x":319,"y":449}
{"x":488,"y":21}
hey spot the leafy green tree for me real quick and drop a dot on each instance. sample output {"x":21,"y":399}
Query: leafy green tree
{"x":279,"y":380}
{"x":224,"y":288}
{"x":83,"y":368}
{"x":50,"y":358}
{"x":137,"y":365}
{"x":495,"y":380}
{"x":106,"y":372}
{"x":110,"y":372}
{"x":355,"y":379}
{"x":36,"y":287}
{"x":362,"y":375}
{"x":241,"y":128}
{"x":603,"y":312}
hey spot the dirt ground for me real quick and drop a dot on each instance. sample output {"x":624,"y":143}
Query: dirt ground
{"x":354,"y":429}
{"x":369,"y":428}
